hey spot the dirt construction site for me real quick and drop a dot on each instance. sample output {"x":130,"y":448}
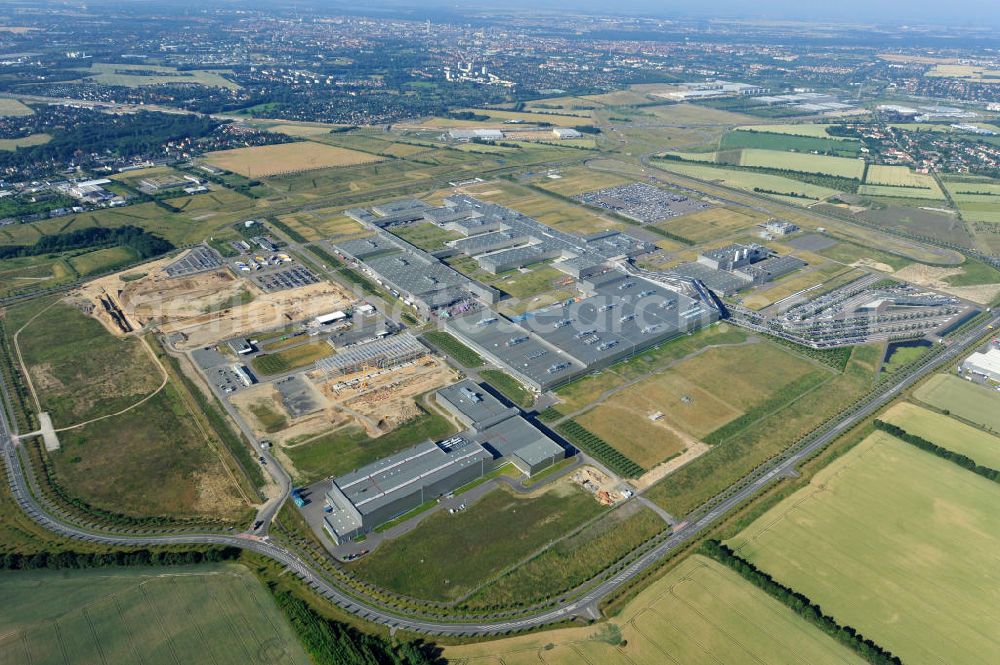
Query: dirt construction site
{"x":204,"y":308}
{"x":377,"y":400}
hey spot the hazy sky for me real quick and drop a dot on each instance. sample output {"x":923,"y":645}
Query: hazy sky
{"x":955,"y":12}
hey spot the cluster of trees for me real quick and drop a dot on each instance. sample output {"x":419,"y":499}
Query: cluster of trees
{"x":145,"y":245}
{"x":143,"y":557}
{"x":600,"y":449}
{"x":963,"y":461}
{"x":332,"y":643}
{"x":89,"y":132}
{"x":467,"y":115}
{"x":800,"y":604}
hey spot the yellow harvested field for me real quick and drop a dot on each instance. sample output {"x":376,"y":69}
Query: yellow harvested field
{"x":135,"y":76}
{"x":12,"y":107}
{"x":698,"y":613}
{"x":268,"y":160}
{"x":710,"y":224}
{"x":899,"y":176}
{"x":973,"y":73}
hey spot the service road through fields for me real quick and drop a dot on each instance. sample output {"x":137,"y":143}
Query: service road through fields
{"x":585,"y":605}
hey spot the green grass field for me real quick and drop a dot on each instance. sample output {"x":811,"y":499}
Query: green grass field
{"x":964,"y":399}
{"x":698,"y":396}
{"x":155,"y":616}
{"x":79,"y":369}
{"x":804,"y":129}
{"x":425,"y":235}
{"x":449,"y":555}
{"x":574,"y":560}
{"x":293,"y":358}
{"x":761,"y":138}
{"x":946,"y":432}
{"x":699,"y":613}
{"x":749,"y":441}
{"x":903,"y":356}
{"x":897,"y":543}
{"x":101,"y":260}
{"x":152,"y":460}
{"x":349,"y":448}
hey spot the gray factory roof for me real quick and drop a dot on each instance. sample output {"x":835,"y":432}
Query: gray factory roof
{"x":516,"y":257}
{"x":489,"y":241}
{"x":362,"y":248}
{"x":772,"y":268}
{"x":399,"y":206}
{"x":475,"y":406}
{"x":579,"y":266}
{"x":513,"y":346}
{"x":516,"y":436}
{"x":624,"y":315}
{"x":379,"y":483}
{"x":412,"y":273}
{"x":717,"y":280}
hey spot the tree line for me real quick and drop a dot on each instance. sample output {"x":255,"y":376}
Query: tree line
{"x":146,"y":245}
{"x":142,"y":557}
{"x":333,"y":643}
{"x":963,"y":461}
{"x":800,"y":604}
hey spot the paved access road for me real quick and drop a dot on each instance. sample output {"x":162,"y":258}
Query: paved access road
{"x":586,"y":605}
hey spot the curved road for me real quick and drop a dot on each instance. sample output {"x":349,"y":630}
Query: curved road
{"x":585,"y":605}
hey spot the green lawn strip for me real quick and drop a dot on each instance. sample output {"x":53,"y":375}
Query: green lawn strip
{"x":599,"y":449}
{"x":448,"y":344}
{"x":509,"y":386}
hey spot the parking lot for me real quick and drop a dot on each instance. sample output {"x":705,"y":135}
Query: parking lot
{"x":199,"y":259}
{"x":643,"y":203}
{"x":288,"y":277}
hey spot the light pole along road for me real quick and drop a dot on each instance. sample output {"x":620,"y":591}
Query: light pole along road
{"x":584,"y":605}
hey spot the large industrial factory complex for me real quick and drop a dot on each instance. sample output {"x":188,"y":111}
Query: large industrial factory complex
{"x":497,"y":435}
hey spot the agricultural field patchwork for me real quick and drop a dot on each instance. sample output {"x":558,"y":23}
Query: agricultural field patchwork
{"x":897,"y":543}
{"x":698,"y":613}
{"x":12,"y":108}
{"x":156,"y":616}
